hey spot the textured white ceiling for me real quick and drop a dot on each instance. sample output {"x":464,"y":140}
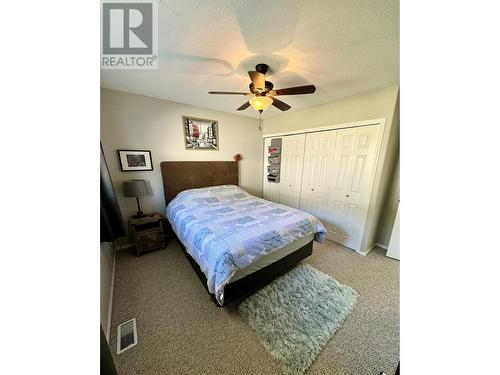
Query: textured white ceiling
{"x":343,"y":47}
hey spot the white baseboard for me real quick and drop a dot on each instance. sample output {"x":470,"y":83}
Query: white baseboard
{"x":364,"y":253}
{"x":110,"y":306}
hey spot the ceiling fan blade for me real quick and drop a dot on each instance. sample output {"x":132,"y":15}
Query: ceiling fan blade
{"x":229,"y":93}
{"x":299,"y":90}
{"x":244,"y":106}
{"x":280,"y":105}
{"x":258,"y":80}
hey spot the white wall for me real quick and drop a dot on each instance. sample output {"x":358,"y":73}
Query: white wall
{"x":388,"y":199}
{"x":130,"y":121}
{"x":390,"y":208}
{"x":367,"y":106}
{"x":107,"y":260}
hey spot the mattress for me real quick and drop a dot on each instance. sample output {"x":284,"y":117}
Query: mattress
{"x":225,"y":229}
{"x":268,"y":259}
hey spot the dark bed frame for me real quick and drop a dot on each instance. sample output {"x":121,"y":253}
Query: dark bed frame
{"x":182,"y":175}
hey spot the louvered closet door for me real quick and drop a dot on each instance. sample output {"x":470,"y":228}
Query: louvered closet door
{"x":292,"y":158}
{"x":318,"y":160}
{"x":352,"y":181}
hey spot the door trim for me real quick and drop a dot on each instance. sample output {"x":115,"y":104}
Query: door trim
{"x":354,"y":124}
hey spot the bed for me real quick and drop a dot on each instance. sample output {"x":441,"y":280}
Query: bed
{"x":236,"y":242}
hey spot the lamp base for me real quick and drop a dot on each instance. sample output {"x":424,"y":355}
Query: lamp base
{"x":139,"y":215}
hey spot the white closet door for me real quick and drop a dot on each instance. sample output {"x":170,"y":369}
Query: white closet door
{"x":340,"y":176}
{"x":318,"y":158}
{"x":292,"y":158}
{"x":352,"y":177}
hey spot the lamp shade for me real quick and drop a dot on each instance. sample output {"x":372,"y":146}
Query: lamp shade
{"x":135,"y":188}
{"x":261,"y":103}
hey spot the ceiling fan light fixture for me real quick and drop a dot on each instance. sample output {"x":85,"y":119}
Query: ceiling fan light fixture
{"x":263,"y":92}
{"x":260,"y":103}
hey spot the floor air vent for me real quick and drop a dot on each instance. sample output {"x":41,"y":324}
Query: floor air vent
{"x":126,"y":336}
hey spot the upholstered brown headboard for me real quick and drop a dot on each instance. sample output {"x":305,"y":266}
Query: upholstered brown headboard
{"x":182,"y":175}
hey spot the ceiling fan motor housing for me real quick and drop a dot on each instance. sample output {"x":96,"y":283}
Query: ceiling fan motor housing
{"x":262,"y":68}
{"x":269,"y":86}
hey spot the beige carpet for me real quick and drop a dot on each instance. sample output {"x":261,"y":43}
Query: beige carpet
{"x":181,"y":331}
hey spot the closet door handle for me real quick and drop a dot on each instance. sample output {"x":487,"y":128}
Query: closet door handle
{"x":312,"y":189}
{"x":347,"y":195}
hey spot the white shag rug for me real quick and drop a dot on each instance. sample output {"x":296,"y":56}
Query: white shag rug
{"x":297,"y":314}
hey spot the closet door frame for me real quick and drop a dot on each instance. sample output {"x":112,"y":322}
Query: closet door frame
{"x":378,"y":121}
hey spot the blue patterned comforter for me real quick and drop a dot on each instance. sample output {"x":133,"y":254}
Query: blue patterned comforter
{"x":224,"y":229}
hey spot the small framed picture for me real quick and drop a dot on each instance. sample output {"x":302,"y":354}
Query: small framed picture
{"x":200,"y":134}
{"x":135,"y":160}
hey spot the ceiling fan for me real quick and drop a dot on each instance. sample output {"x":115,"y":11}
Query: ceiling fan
{"x":263,"y":93}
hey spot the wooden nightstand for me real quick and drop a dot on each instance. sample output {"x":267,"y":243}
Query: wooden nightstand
{"x":147,"y":233}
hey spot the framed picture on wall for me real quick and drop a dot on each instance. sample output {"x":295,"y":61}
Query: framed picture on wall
{"x":135,"y":160}
{"x":200,"y":134}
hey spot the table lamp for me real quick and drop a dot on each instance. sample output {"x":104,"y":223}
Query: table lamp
{"x":136,"y":188}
